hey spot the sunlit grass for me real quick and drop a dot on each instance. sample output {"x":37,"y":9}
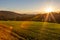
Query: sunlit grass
{"x":35,"y":30}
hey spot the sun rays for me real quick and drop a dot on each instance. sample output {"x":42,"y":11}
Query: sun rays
{"x":49,"y":17}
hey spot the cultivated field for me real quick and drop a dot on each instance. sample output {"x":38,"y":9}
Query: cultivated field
{"x":30,"y":30}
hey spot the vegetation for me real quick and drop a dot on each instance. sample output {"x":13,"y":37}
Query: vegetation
{"x":12,"y":16}
{"x":31,"y":30}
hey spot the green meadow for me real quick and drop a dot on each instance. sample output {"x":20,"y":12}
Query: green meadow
{"x":31,"y":30}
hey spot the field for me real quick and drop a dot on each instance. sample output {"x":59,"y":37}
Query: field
{"x":30,"y":30}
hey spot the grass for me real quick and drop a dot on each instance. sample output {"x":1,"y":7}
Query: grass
{"x":31,"y":30}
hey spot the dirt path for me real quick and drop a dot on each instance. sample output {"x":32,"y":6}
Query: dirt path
{"x":7,"y":34}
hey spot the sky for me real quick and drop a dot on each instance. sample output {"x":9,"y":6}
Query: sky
{"x":28,"y":5}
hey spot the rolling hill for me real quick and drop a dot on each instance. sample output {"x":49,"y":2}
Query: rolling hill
{"x":46,"y":17}
{"x":8,"y":15}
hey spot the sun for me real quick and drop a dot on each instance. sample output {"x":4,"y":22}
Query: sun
{"x":49,"y":9}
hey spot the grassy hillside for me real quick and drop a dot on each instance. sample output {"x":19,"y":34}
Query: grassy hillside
{"x":53,"y":17}
{"x":34,"y":30}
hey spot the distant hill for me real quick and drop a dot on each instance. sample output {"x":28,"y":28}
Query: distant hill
{"x":12,"y":16}
{"x":8,"y":15}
